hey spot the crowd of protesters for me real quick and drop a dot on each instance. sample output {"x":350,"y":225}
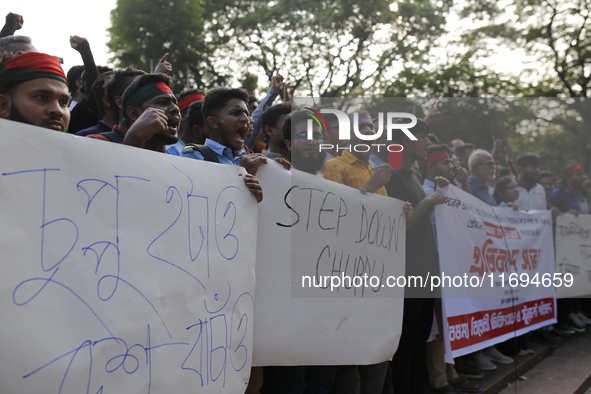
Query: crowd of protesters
{"x":226,"y":125}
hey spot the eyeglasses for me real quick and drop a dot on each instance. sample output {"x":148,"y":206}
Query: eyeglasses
{"x":303,"y":136}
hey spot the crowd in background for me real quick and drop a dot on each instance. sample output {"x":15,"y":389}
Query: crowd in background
{"x":229,"y":126}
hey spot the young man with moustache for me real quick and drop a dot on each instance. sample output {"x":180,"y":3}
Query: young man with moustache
{"x":225,"y":111}
{"x":150,"y":112}
{"x":34,"y":90}
{"x":226,"y":114}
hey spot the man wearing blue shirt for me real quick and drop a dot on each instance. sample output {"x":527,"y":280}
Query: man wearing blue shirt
{"x":482,"y":169}
{"x":567,"y":197}
{"x":225,"y":111}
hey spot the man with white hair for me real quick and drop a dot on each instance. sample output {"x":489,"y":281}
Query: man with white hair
{"x":482,"y":168}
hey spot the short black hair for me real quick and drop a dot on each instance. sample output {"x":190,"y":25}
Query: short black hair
{"x":217,"y":98}
{"x":461,"y":150}
{"x":528,"y":159}
{"x":271,"y":116}
{"x":139,"y":83}
{"x":195,"y":115}
{"x":74,"y":74}
{"x":252,"y":99}
{"x":116,"y":85}
{"x":98,"y":92}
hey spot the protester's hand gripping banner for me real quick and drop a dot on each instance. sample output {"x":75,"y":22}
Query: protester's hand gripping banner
{"x":573,"y":254}
{"x":123,"y":270}
{"x":320,"y":244}
{"x":500,"y":265}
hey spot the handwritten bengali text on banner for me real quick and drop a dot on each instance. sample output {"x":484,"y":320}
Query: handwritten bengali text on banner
{"x":123,"y":270}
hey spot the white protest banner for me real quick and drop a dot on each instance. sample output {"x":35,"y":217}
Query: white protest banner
{"x":315,"y":232}
{"x":123,"y":270}
{"x":573,"y":254}
{"x":499,"y":266}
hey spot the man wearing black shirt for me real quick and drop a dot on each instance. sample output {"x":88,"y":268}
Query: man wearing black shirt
{"x":408,"y":364}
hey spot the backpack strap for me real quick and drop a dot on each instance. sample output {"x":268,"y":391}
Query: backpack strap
{"x":206,"y":151}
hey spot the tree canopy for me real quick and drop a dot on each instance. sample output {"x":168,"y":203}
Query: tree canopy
{"x":349,"y":48}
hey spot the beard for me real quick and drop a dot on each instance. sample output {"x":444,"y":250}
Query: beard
{"x":17,"y":116}
{"x":311,"y":165}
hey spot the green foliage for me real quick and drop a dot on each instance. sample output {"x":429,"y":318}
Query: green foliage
{"x":557,"y":34}
{"x":459,"y":77}
{"x":327,"y":47}
{"x":143,"y":31}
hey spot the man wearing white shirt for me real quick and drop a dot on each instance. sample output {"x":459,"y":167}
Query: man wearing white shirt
{"x":531,"y":194}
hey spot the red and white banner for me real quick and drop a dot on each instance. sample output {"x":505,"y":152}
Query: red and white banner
{"x":497,"y":271}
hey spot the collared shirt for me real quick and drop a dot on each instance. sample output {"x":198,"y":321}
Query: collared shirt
{"x":429,"y":188}
{"x":481,"y":192}
{"x":534,"y":198}
{"x":175,"y":149}
{"x":225,"y":155}
{"x":349,"y":170}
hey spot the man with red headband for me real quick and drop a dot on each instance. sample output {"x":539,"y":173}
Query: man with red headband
{"x":34,"y":90}
{"x":185,"y":135}
{"x":151,"y":113}
{"x":568,"y":197}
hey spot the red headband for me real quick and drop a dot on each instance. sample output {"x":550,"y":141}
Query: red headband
{"x":434,"y":157}
{"x":190,"y":99}
{"x":573,"y":169}
{"x":163,"y":87}
{"x":37,"y":62}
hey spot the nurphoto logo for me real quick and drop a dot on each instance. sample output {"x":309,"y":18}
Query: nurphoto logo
{"x":346,"y":125}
